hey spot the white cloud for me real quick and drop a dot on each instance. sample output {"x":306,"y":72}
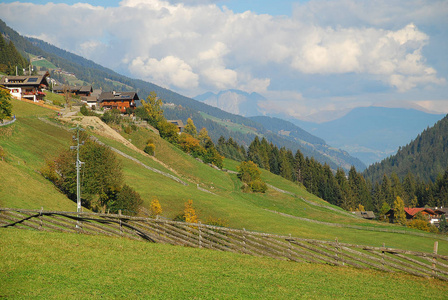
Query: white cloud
{"x":169,"y":71}
{"x":194,"y":46}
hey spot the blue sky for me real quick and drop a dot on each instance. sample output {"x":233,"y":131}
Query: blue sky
{"x":304,"y":57}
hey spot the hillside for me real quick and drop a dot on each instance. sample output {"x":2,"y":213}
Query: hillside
{"x":372,"y":133}
{"x":36,"y":136}
{"x":425,"y":157}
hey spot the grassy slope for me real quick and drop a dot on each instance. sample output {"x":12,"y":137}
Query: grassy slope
{"x":31,"y":140}
{"x":78,"y":266}
{"x":28,"y":142}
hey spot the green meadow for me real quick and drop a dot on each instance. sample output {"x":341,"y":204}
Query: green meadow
{"x":73,"y":266}
{"x":93,"y":266}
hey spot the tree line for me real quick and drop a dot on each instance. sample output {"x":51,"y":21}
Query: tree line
{"x":350,"y":192}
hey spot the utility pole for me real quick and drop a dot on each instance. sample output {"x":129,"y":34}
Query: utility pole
{"x":78,"y":167}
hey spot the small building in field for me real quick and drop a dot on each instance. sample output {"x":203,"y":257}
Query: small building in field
{"x":365,"y":214}
{"x":28,"y":87}
{"x":119,"y":100}
{"x":180,"y":125}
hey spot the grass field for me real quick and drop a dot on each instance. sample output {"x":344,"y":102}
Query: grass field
{"x":44,"y":63}
{"x":29,"y":142}
{"x":53,"y":265}
{"x":231,"y":126}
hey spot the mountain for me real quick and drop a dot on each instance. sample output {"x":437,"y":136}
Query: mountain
{"x":372,"y":133}
{"x":294,"y":133}
{"x":234,"y":101}
{"x":425,"y":157}
{"x":214,"y":119}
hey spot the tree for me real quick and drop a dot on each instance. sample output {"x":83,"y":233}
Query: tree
{"x":5,"y":105}
{"x":190,"y":213}
{"x":249,"y":174}
{"x":399,"y":214}
{"x":128,"y":200}
{"x":190,"y":128}
{"x":443,"y":226}
{"x":102,"y":178}
{"x":155,"y":207}
{"x":153,"y":107}
{"x":248,"y":171}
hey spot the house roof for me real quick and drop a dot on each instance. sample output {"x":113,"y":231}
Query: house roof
{"x":412,"y":211}
{"x":86,"y":88}
{"x":113,"y":96}
{"x":178,"y":123}
{"x":365,"y":214}
{"x":16,"y":81}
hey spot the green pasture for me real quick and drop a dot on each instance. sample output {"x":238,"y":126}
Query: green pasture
{"x":54,"y":265}
{"x":230,"y":125}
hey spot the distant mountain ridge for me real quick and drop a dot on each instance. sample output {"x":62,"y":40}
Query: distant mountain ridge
{"x":425,"y":157}
{"x":372,"y":133}
{"x":234,"y":101}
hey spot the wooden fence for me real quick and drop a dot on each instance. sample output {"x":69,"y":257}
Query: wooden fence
{"x":233,"y":240}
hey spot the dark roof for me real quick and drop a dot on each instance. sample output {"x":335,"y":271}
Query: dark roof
{"x":35,"y":80}
{"x":178,"y":123}
{"x":365,"y":214}
{"x":86,"y":88}
{"x":108,"y":96}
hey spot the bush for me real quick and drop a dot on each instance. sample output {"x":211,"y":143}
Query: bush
{"x":111,"y":116}
{"x":150,"y":149}
{"x":258,"y":186}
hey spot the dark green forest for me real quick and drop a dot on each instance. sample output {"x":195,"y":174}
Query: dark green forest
{"x":425,"y":157}
{"x":10,"y":58}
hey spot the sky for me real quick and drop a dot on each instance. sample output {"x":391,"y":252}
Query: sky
{"x":307,"y":58}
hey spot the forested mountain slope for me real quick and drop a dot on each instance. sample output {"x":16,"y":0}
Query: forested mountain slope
{"x":425,"y":157}
{"x":372,"y":133}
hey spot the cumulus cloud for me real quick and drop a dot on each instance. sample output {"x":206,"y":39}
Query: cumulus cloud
{"x":195,"y":46}
{"x":169,"y":71}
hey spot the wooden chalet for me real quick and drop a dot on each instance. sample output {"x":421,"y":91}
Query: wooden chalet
{"x":432,"y":215}
{"x":28,"y":87}
{"x":365,"y":214}
{"x":85,"y":90}
{"x":118,"y":100}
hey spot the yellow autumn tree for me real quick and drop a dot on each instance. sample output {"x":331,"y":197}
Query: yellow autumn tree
{"x":399,"y":214}
{"x":155,"y":207}
{"x":190,"y":212}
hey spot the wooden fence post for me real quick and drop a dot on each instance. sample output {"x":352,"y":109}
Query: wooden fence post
{"x":434,"y":259}
{"x":200,"y":236}
{"x":382,"y":254}
{"x":40,"y":217}
{"x":244,"y":238}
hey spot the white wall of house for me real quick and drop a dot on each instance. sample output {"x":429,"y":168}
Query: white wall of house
{"x":16,"y":92}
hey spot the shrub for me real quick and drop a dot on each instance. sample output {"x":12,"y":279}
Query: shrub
{"x":258,"y":186}
{"x":84,"y":110}
{"x":150,"y":149}
{"x":217,"y":222}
